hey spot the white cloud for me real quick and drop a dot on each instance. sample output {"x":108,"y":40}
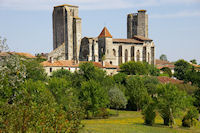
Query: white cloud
{"x":177,"y":15}
{"x":87,"y":4}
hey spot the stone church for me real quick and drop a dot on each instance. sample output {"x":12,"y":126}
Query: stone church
{"x":68,"y":43}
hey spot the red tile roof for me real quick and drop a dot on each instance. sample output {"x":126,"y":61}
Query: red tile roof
{"x":163,"y":79}
{"x":61,"y":63}
{"x":27,"y":55}
{"x":126,"y":41}
{"x":105,"y":33}
{"x":70,"y":63}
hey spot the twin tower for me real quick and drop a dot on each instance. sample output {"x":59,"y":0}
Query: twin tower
{"x":67,"y":30}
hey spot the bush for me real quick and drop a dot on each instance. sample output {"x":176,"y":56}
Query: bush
{"x":149,"y":114}
{"x":190,"y":119}
{"x":62,"y":73}
{"x":117,"y":99}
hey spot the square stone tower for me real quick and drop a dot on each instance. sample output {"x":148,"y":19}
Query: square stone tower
{"x":67,"y":30}
{"x":137,"y":24}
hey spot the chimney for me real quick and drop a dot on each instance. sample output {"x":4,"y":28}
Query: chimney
{"x":51,"y":60}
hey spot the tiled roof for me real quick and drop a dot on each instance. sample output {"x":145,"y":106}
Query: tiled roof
{"x":60,"y":63}
{"x":126,"y":41}
{"x":70,"y":63}
{"x":141,"y":38}
{"x":27,"y":55}
{"x":163,"y":79}
{"x":105,"y":33}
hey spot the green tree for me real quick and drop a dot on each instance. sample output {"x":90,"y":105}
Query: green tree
{"x":190,"y":119}
{"x":34,"y":70}
{"x":62,"y":73}
{"x":120,"y":78}
{"x":170,"y":102}
{"x":93,"y":96}
{"x":194,"y":61}
{"x":134,"y":68}
{"x":163,"y":57}
{"x":136,"y":93}
{"x":167,"y":70}
{"x":197,"y":99}
{"x":181,"y":68}
{"x":35,"y":110}
{"x":117,"y":98}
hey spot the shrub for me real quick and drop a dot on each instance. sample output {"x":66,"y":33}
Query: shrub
{"x":117,"y":99}
{"x":62,"y":73}
{"x":149,"y":114}
{"x":167,"y":70}
{"x":190,"y":119}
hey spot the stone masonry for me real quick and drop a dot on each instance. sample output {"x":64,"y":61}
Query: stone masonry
{"x":68,"y":44}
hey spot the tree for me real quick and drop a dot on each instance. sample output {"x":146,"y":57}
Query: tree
{"x":3,"y":45}
{"x":190,"y":119}
{"x":12,"y":76}
{"x":197,"y":99}
{"x":163,"y":57}
{"x":170,"y":102}
{"x":134,"y":68}
{"x":34,"y":70}
{"x":193,"y":61}
{"x":62,"y":73}
{"x":35,"y":110}
{"x":117,"y":98}
{"x":181,"y":68}
{"x":167,"y":70}
{"x":93,"y":96}
{"x":136,"y":92}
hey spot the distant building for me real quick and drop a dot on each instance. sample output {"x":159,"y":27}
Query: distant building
{"x":68,"y":43}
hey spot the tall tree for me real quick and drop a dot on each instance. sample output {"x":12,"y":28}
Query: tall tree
{"x":181,"y":68}
{"x":3,"y":45}
{"x":163,"y":57}
{"x":193,"y":61}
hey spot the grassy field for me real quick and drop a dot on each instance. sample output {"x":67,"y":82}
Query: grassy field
{"x":132,"y":122}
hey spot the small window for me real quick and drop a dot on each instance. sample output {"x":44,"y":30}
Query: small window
{"x":50,"y":70}
{"x":62,"y":68}
{"x":111,"y":62}
{"x":107,"y":51}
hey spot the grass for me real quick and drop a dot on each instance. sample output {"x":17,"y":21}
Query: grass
{"x":132,"y":122}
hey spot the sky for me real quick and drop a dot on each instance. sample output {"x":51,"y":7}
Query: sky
{"x":174,"y":25}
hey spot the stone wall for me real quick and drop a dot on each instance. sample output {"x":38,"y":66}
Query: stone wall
{"x":58,"y":53}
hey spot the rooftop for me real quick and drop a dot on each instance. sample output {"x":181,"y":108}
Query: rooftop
{"x":126,"y":41}
{"x":141,"y":38}
{"x":105,"y":33}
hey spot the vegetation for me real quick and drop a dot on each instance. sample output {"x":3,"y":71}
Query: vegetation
{"x":167,"y":71}
{"x":32,"y":101}
{"x":163,"y":57}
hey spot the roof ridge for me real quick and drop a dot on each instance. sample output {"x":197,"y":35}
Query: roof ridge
{"x":105,"y":33}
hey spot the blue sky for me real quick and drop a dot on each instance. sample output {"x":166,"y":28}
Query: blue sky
{"x":173,"y":24}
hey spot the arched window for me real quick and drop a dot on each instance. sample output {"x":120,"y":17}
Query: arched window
{"x":126,"y":55}
{"x":138,"y":55}
{"x":111,"y":62}
{"x":114,"y":52}
{"x":132,"y":53}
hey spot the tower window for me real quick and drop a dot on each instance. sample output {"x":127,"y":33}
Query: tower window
{"x":50,"y":69}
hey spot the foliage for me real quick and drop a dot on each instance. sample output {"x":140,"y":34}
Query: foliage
{"x":170,"y":102}
{"x":181,"y":68}
{"x":197,"y":99}
{"x":149,"y":113}
{"x":163,"y":57}
{"x":134,"y":68}
{"x":153,"y":70}
{"x":117,"y":98}
{"x":193,"y":77}
{"x":89,"y":71}
{"x":34,"y":70}
{"x":136,"y":93}
{"x":62,"y":73}
{"x":193,"y":61}
{"x":190,"y":119}
{"x":150,"y":84}
{"x":93,"y":96}
{"x":35,"y":110}
{"x":3,"y":45}
{"x":167,"y":70}
{"x":12,"y":76}
{"x":190,"y":89}
{"x":120,"y":78}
